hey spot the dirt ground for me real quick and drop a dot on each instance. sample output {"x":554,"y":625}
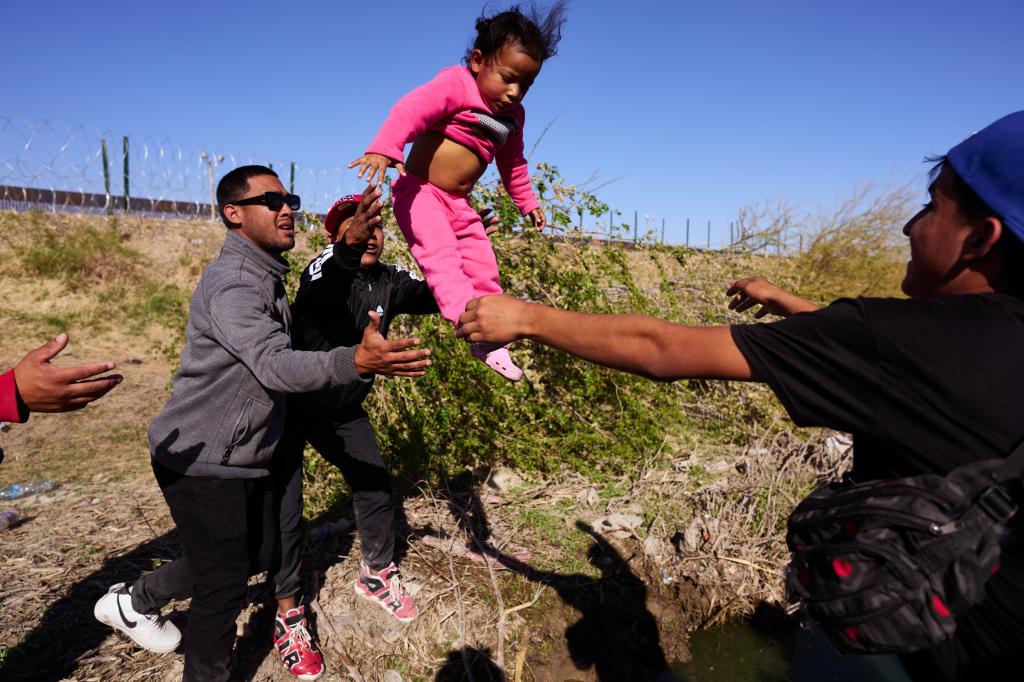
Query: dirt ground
{"x":558,"y":579}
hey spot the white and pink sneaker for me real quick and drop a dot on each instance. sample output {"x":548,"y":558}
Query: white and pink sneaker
{"x":384,"y":587}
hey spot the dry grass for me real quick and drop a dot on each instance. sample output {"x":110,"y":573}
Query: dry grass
{"x":569,"y":600}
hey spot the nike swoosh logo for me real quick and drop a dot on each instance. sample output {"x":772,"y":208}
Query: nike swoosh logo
{"x":129,"y":623}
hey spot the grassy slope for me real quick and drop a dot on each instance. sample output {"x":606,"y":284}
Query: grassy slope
{"x":119,"y":287}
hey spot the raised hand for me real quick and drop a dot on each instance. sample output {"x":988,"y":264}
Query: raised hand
{"x":376,"y":164}
{"x":377,"y":355}
{"x":751,"y":291}
{"x":490,"y":220}
{"x":44,"y":387}
{"x":366,"y":218}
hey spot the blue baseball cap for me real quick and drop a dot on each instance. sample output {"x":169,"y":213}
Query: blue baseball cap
{"x":991,"y":162}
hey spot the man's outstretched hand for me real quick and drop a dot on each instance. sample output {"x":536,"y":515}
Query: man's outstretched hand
{"x":44,"y":387}
{"x":366,"y":218}
{"x":377,"y":355}
{"x":490,"y":220}
{"x":498,"y":319}
{"x":751,"y":291}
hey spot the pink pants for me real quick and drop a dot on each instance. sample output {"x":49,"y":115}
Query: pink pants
{"x":447,"y":240}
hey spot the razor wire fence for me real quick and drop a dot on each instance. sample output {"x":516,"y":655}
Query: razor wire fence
{"x":51,"y":166}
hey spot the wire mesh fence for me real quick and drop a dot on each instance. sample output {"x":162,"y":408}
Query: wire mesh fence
{"x":48,"y":165}
{"x":52,"y":166}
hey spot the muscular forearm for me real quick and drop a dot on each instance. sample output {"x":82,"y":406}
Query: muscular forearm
{"x":791,"y":304}
{"x":639,"y":344}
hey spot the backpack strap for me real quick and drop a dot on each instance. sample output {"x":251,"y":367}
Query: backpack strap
{"x":1014,"y":466}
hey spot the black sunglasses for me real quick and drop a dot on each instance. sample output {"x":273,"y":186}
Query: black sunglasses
{"x":272,"y":200}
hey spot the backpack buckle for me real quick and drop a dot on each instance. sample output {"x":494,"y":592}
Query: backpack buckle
{"x":997,"y":503}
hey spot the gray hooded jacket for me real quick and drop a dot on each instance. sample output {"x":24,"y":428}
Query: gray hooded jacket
{"x":227,"y":410}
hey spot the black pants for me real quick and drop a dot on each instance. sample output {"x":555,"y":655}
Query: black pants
{"x":229,"y":531}
{"x":350,"y":445}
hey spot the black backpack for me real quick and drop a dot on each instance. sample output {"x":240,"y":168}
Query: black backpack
{"x":886,"y":566}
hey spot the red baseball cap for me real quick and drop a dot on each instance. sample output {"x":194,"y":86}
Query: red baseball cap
{"x":343,"y":208}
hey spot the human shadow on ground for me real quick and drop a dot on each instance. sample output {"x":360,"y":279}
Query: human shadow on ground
{"x":615,"y":634}
{"x":320,"y":552}
{"x":470,"y":664}
{"x":68,"y":633}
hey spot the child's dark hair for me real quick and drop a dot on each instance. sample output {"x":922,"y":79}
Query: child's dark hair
{"x":235,"y":185}
{"x":531,"y":33}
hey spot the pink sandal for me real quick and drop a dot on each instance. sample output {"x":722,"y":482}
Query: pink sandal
{"x":497,"y":359}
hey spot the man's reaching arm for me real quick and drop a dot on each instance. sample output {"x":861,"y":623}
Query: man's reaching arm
{"x":632,"y":343}
{"x":37,"y":385}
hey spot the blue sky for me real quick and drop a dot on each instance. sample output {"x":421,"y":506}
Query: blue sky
{"x":699,"y":108}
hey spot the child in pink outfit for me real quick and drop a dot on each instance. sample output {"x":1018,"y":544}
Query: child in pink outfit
{"x":459,"y":122}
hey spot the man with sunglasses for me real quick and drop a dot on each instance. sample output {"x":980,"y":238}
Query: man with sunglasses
{"x":213,"y":443}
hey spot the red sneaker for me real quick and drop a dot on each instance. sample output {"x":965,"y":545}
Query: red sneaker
{"x":295,"y":645}
{"x":385,"y":588}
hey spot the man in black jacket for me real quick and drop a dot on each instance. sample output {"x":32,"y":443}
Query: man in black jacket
{"x":341,"y":292}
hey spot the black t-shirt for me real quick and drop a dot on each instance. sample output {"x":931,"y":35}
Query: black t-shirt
{"x":923,"y":386}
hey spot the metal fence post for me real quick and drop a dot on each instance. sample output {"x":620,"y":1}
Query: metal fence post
{"x":687,"y":231}
{"x":291,"y":180}
{"x":127,"y":183}
{"x":709,"y":235}
{"x":213,"y":200}
{"x":108,"y":204}
{"x":662,"y":230}
{"x":635,"y":227}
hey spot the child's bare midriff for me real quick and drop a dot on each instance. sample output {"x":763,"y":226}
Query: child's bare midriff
{"x":444,"y":163}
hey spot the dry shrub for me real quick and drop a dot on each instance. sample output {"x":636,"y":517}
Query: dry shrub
{"x":855,"y":249}
{"x":858,"y":249}
{"x":75,"y":251}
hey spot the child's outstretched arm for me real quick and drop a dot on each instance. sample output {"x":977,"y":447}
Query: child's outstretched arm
{"x":751,"y":291}
{"x":377,"y":165}
{"x":412,"y":114}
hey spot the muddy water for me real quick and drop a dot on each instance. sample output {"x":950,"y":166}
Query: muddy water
{"x":740,"y":652}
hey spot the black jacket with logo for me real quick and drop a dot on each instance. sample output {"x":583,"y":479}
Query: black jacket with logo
{"x":331,"y":311}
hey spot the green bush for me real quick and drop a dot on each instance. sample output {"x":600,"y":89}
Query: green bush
{"x":566,"y":412}
{"x":570,"y":413}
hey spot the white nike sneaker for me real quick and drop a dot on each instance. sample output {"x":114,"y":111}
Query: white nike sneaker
{"x":150,"y":632}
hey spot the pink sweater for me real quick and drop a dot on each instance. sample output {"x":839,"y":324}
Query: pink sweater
{"x":446,"y":105}
{"x":11,"y":407}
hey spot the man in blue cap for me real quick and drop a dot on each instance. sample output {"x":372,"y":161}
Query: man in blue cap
{"x":925,"y":384}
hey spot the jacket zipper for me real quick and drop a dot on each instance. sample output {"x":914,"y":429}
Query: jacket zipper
{"x":231,"y":446}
